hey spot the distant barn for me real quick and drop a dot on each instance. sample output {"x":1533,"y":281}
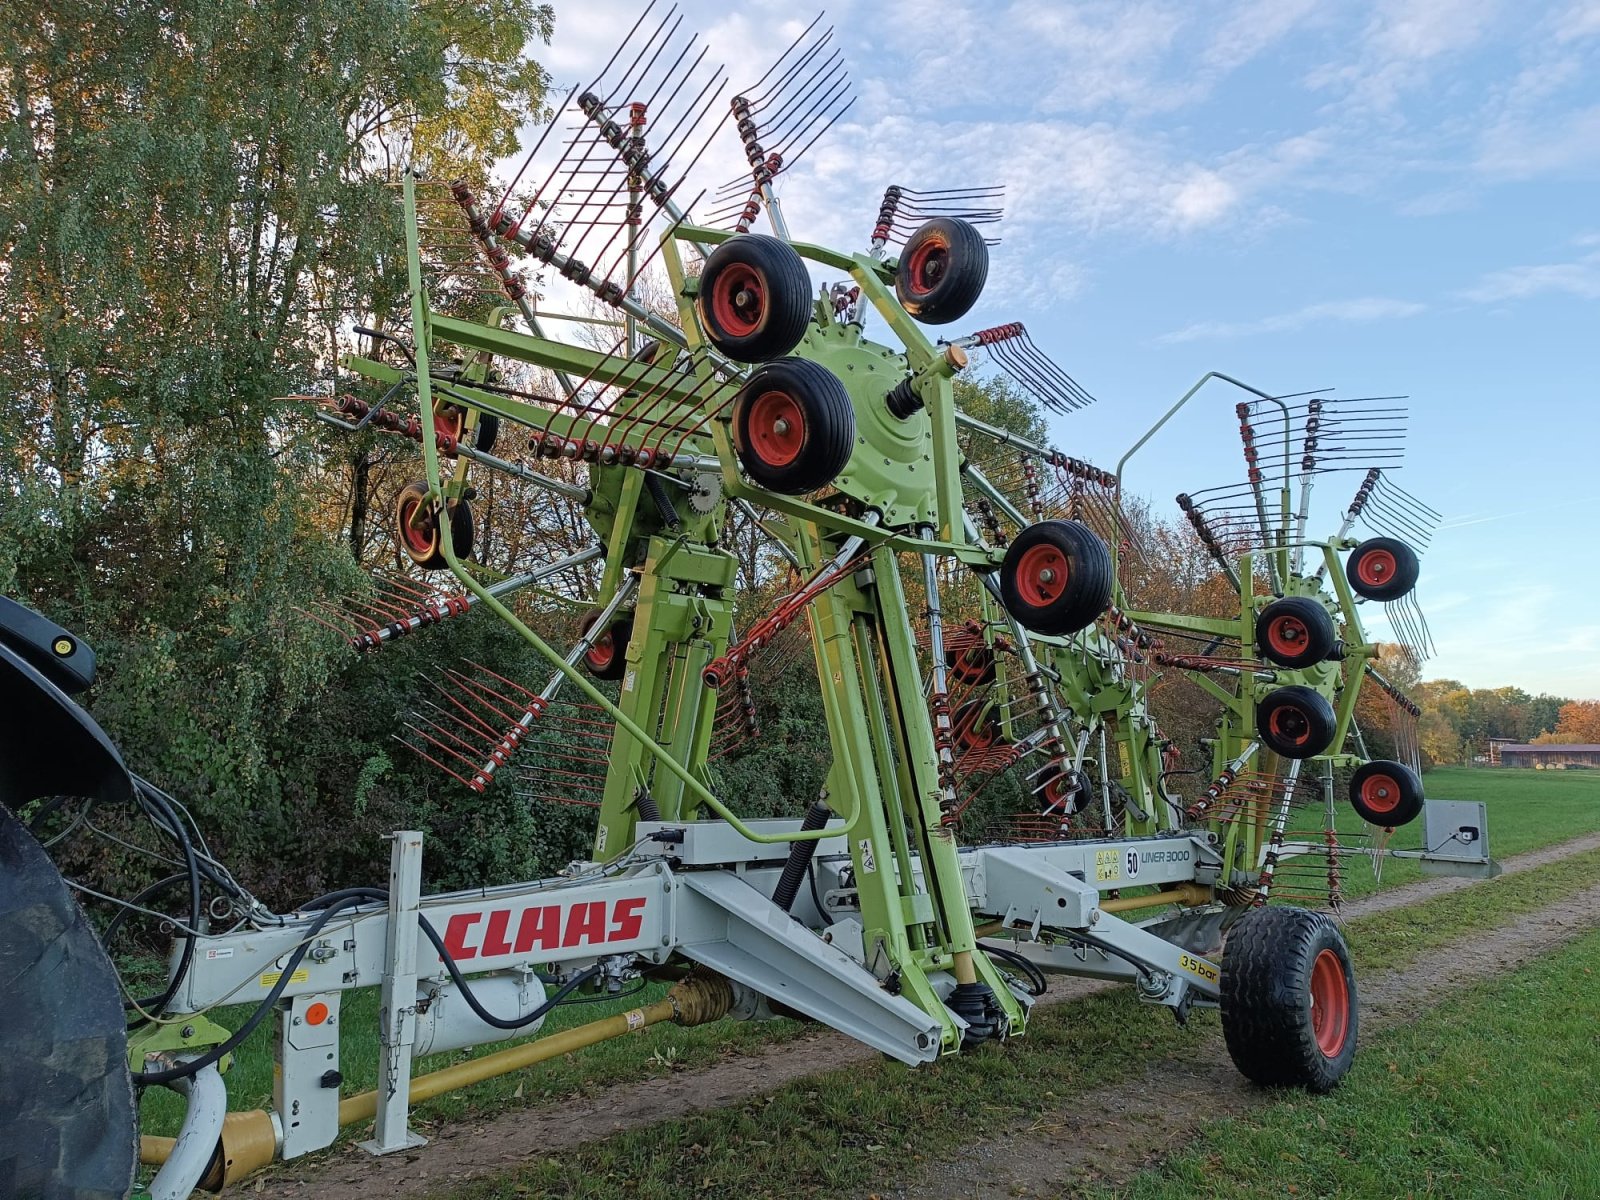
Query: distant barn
{"x":1550,"y":758}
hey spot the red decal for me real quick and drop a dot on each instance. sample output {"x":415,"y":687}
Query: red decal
{"x":627,"y":920}
{"x":494,"y":934}
{"x":539,"y":927}
{"x":586,"y":923}
{"x":455,"y":935}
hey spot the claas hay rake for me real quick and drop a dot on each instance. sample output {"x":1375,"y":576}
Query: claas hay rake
{"x":967,"y":596}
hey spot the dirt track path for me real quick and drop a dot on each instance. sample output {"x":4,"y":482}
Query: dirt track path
{"x":1112,"y":1141}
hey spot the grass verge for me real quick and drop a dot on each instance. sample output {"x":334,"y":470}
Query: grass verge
{"x":841,"y":1132}
{"x":1489,"y":1095}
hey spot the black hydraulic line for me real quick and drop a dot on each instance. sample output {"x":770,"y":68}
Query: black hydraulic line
{"x":798,"y":863}
{"x":150,"y":797}
{"x":1037,"y":983}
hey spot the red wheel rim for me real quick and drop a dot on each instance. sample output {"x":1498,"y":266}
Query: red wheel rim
{"x":739,"y":301}
{"x":1042,"y":576}
{"x":973,"y":732}
{"x":1290,"y":724}
{"x":777,"y":428}
{"x":971,"y":665}
{"x":1287,"y":636}
{"x":418,"y":539}
{"x":1375,"y":568}
{"x":1330,"y":1003}
{"x":929,"y":262}
{"x":602,"y":652}
{"x":1380,"y":793}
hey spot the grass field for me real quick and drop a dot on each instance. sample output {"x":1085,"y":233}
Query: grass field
{"x":836,"y":1131}
{"x":1527,"y":809}
{"x":1490,"y":1095}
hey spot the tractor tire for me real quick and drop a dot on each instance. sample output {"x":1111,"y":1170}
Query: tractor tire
{"x":1295,"y":632}
{"x":1296,"y":722}
{"x":755,"y":298}
{"x":1056,"y":577}
{"x":1386,"y":794}
{"x":608,"y":657}
{"x":1289,"y":1005}
{"x":421,"y":542}
{"x":1382,"y":568}
{"x":793,"y":426}
{"x":942,"y":271}
{"x":68,"y":1117}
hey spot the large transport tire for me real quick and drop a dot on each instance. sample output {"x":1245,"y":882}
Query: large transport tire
{"x":421,"y":541}
{"x":942,"y":271}
{"x":67,"y":1117}
{"x":1382,"y":568}
{"x":1056,"y":577}
{"x":1386,"y":793}
{"x":608,"y":657}
{"x":1296,"y":722}
{"x":793,"y":426}
{"x":755,"y":298}
{"x":1289,"y":1004}
{"x":1295,"y":632}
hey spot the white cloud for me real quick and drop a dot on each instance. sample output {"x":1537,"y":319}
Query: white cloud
{"x":1367,"y":308}
{"x":1580,"y":279}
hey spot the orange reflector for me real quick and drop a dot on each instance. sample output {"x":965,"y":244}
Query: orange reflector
{"x":317,"y":1013}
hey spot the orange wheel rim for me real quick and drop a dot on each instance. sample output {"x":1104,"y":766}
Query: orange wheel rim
{"x":1288,"y":636}
{"x":739,"y":301}
{"x":1380,"y":793}
{"x":1376,"y":568}
{"x":1330,"y":1004}
{"x":1042,"y":576}
{"x":602,"y":652}
{"x":418,"y":538}
{"x":929,"y":264}
{"x":777,"y":428}
{"x":1290,"y":724}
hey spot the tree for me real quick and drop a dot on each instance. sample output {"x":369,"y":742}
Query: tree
{"x":1578,"y":724}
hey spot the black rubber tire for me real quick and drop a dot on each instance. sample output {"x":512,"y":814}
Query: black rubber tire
{"x":1037,"y":604}
{"x":68,"y":1117}
{"x":1386,"y":793}
{"x":1276,"y":1032}
{"x":608,"y":658}
{"x":488,"y":432}
{"x":1295,"y":632}
{"x":1382,"y":568}
{"x":942,"y":271}
{"x":755,"y":298}
{"x":793,"y":426}
{"x":421,"y":545}
{"x":1070,"y":788}
{"x":1296,"y":722}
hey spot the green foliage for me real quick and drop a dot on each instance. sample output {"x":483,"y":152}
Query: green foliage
{"x":193,"y":196}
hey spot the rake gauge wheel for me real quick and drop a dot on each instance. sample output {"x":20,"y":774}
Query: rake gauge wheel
{"x":1387,"y":794}
{"x":1056,"y":577}
{"x":942,"y":271}
{"x":1382,"y":568}
{"x":419,"y":536}
{"x":974,"y":729}
{"x":1289,"y":1005}
{"x":1295,"y":632}
{"x":1296,"y":722}
{"x":755,"y":298}
{"x":608,"y":657}
{"x":793,"y":426}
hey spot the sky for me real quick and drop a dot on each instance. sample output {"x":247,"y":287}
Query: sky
{"x":1390,"y":198}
